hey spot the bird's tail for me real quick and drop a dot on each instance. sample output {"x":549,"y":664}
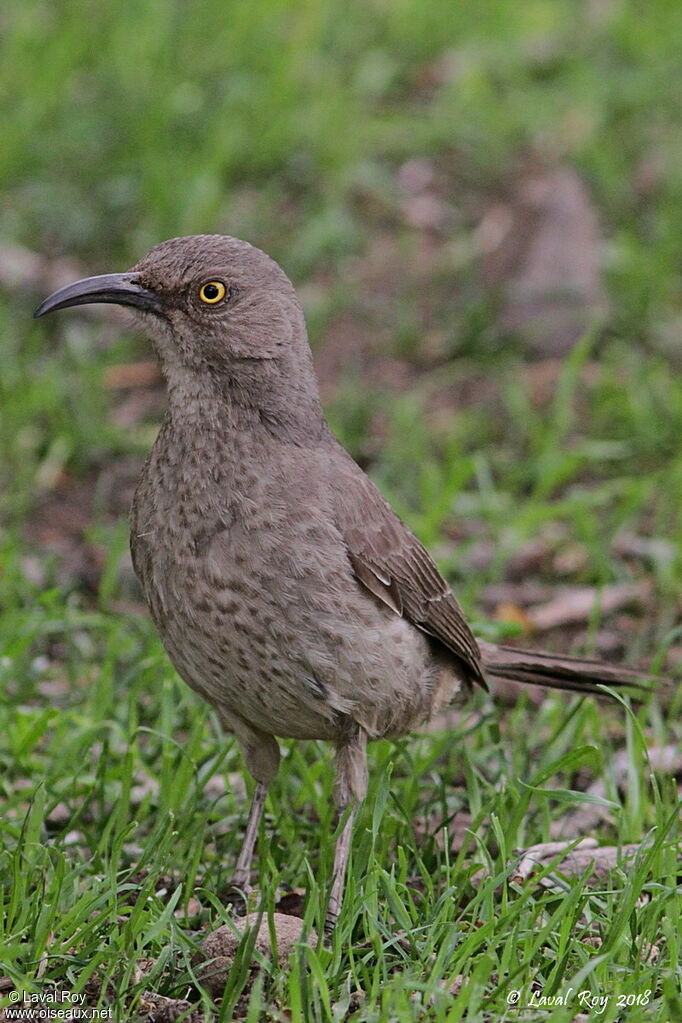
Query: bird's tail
{"x":555,"y":671}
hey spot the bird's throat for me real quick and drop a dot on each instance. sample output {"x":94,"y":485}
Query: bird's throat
{"x":201,"y":408}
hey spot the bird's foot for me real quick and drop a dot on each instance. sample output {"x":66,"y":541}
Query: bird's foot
{"x":241,"y":896}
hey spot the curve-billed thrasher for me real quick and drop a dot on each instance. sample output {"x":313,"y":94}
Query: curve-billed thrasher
{"x":285,"y":589}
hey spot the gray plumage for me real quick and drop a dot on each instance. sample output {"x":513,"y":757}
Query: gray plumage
{"x":285,"y":589}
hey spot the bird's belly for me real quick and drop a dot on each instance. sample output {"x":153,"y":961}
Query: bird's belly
{"x":232,"y":644}
{"x":242,"y":661}
{"x":292,"y":666}
{"x":294,"y":652}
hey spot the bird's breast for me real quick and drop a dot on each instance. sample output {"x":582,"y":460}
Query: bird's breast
{"x":253,"y":593}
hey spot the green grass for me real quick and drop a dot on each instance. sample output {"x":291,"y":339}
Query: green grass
{"x":286,"y":123}
{"x":110,"y":830}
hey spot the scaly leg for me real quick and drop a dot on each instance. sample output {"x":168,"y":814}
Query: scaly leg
{"x":349,"y":791}
{"x":242,"y":871}
{"x":339,"y":876}
{"x":261,"y":753}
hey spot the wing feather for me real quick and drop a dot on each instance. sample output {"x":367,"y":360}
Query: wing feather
{"x":388,"y":559}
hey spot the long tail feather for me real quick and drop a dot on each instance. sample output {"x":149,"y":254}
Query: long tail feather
{"x":540,"y":668}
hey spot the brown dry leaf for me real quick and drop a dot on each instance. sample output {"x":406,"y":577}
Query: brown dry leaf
{"x":59,"y":815}
{"x":534,"y":554}
{"x":455,"y":985}
{"x":541,"y":251}
{"x":584,"y":818}
{"x":572,"y":560}
{"x":651,"y":550}
{"x":192,"y":909}
{"x":541,"y":380}
{"x":601,"y":859}
{"x":416,"y":176}
{"x":422,"y":207}
{"x":576,"y":605}
{"x":536,"y":856}
{"x":665,"y":759}
{"x":58,"y":523}
{"x":143,"y":967}
{"x":524,"y":594}
{"x":512,"y":614}
{"x":588,"y":816}
{"x":427,"y":212}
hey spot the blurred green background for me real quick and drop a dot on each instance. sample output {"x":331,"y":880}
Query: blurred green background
{"x":480,"y":204}
{"x":387,"y":155}
{"x":461,"y":192}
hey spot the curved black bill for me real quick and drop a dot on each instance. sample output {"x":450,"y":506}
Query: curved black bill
{"x":118,"y":289}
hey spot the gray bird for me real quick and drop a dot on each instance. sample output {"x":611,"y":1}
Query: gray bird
{"x":285,"y":589}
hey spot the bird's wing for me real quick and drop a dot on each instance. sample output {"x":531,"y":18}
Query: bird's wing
{"x":391,"y":563}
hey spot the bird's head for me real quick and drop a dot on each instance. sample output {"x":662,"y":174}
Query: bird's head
{"x":221,"y":313}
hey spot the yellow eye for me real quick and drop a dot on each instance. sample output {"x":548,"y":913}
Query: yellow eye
{"x":212,"y":292}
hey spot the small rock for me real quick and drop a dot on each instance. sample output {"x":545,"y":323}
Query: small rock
{"x":218,"y":948}
{"x":159,"y":1009}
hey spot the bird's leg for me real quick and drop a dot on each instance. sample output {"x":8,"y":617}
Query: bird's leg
{"x":339,"y":876}
{"x":349,"y":791}
{"x":242,"y":871}
{"x":262,"y":755}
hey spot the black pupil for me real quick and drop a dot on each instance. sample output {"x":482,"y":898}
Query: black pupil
{"x":211,"y":291}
